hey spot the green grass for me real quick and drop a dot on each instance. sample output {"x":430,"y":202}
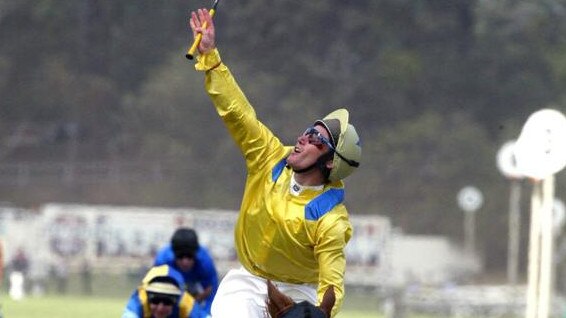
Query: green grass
{"x":110,"y":293}
{"x":53,"y":306}
{"x":63,"y":307}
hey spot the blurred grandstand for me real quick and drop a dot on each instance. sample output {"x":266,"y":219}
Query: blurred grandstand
{"x":407,"y":274}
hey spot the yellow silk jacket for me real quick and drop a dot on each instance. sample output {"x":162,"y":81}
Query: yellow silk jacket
{"x":279,"y":236}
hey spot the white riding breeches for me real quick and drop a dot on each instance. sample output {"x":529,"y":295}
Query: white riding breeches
{"x":242,"y":294}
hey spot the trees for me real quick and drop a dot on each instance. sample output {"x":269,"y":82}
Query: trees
{"x":434,"y":88}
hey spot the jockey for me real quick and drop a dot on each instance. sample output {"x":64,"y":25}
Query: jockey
{"x":161,"y":295}
{"x":194,"y":262}
{"x":293,"y":225}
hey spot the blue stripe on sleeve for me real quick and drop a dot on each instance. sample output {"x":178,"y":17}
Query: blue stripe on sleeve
{"x":322,"y":204}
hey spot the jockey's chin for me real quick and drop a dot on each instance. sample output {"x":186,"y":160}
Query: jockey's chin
{"x":300,"y":161}
{"x":161,"y":310}
{"x":185,"y":264}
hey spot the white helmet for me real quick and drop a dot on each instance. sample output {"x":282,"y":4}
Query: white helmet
{"x":346,"y":142}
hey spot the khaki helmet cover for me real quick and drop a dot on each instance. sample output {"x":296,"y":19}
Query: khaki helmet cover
{"x":162,"y":280}
{"x":348,"y":145}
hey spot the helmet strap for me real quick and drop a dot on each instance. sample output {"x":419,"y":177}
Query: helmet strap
{"x":321,"y":163}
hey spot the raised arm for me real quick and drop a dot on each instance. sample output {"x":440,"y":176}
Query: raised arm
{"x":257,"y":143}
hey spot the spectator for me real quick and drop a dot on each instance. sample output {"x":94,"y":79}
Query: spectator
{"x":62,"y":276}
{"x":1,"y":263}
{"x":20,"y":263}
{"x":18,"y":276}
{"x":1,"y":270}
{"x":186,"y":255}
{"x":86,"y":277}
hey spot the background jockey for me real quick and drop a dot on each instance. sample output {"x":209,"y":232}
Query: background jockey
{"x":161,"y":295}
{"x":194,"y":262}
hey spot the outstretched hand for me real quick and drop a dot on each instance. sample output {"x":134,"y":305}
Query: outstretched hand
{"x":201,"y":22}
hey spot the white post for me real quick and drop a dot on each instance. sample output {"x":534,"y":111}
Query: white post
{"x":470,"y":200}
{"x":534,"y":253}
{"x":547,"y":239}
{"x":514,"y":232}
{"x":540,"y":153}
{"x":469,"y":233}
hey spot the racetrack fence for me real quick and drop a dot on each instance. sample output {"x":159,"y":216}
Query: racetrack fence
{"x":125,"y":238}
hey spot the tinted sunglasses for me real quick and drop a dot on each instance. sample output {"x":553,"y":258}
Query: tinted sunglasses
{"x":317,"y":139}
{"x":162,"y":299}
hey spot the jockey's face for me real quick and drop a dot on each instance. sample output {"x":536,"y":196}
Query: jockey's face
{"x":308,"y":148}
{"x":161,"y":307}
{"x":160,"y":310}
{"x":185,"y":262}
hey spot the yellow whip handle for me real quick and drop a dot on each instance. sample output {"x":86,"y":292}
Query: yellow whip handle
{"x":191,"y":52}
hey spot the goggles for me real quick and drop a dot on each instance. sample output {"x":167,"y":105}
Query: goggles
{"x":157,"y":299}
{"x":317,"y":139}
